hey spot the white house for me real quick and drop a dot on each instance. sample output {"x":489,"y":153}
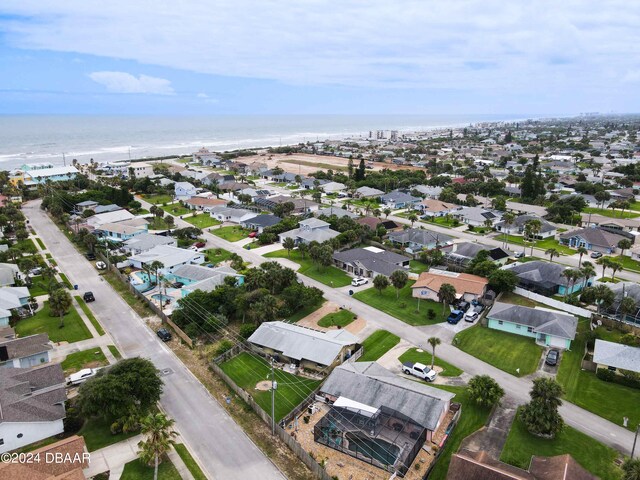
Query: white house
{"x":170,"y":257}
{"x":310,"y":230}
{"x":233,"y":215}
{"x":100,"y":219}
{"x":24,"y":352}
{"x":184,"y":190}
{"x":32,"y":405}
{"x":146,"y":241}
{"x":333,"y":187}
{"x":140,"y":169}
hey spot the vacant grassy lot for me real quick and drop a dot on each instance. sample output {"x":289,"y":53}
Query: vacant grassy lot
{"x":503,"y":350}
{"x":158,"y":199}
{"x":303,"y":312}
{"x":377,"y":344}
{"x":591,"y":454}
{"x":89,"y":314}
{"x":473,"y":417}
{"x":175,"y":209}
{"x":202,"y":220}
{"x":231,"y":233}
{"x":412,"y":355}
{"x":189,"y":461}
{"x":97,"y":434}
{"x":331,"y":276}
{"x":609,"y":400}
{"x":137,"y":470}
{"x":608,"y":212}
{"x":247,"y":370}
{"x":341,"y":318}
{"x":92,"y":358}
{"x":74,"y":328}
{"x":416,"y":266}
{"x":217,"y":255}
{"x":405,"y":307}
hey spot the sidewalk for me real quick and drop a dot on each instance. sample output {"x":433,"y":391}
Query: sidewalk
{"x":59,"y":353}
{"x":113,"y":458}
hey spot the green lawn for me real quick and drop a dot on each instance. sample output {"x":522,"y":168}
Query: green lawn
{"x":74,"y":328}
{"x":134,"y":302}
{"x":26,"y":246}
{"x":189,"y":461}
{"x":506,"y":351}
{"x":412,"y":355}
{"x":115,"y":352}
{"x":157,"y":223}
{"x":41,"y":243}
{"x":341,"y":318}
{"x":303,"y":312}
{"x":473,"y":417}
{"x":514,"y":299}
{"x":91,"y":358}
{"x":606,"y":399}
{"x":202,"y":220}
{"x":544,"y":244}
{"x":159,"y":198}
{"x":405,"y":307}
{"x":444,"y":222}
{"x":627,"y":263}
{"x":175,"y":209}
{"x":607,"y":212}
{"x":635,"y":206}
{"x":591,"y":454}
{"x":416,"y":266}
{"x":230,"y":234}
{"x":136,"y":470}
{"x":217,"y":255}
{"x":248,"y":369}
{"x":65,"y":281}
{"x":97,"y":433}
{"x":38,"y":287}
{"x":377,"y":344}
{"x":89,"y":314}
{"x":331,"y":276}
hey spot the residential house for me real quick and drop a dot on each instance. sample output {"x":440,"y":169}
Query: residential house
{"x":32,"y":405}
{"x":368,"y":192}
{"x":550,"y":328}
{"x":107,"y":208}
{"x":623,"y":290}
{"x":467,"y":465}
{"x":310,"y":183}
{"x":122,"y":231}
{"x":231,"y":215}
{"x":628,"y":194}
{"x":38,"y":174}
{"x":546,"y":278}
{"x":310,"y":230}
{"x":462,"y":253}
{"x":25,"y":352}
{"x":398,"y":199}
{"x":260,"y":222}
{"x":13,"y":297}
{"x":253,"y":193}
{"x":414,"y":240}
{"x":257,"y":168}
{"x":232,"y":186}
{"x":86,"y":205}
{"x":145,"y":242}
{"x":196,"y":277}
{"x":184,"y":190}
{"x":337,"y":211}
{"x":171,"y":258}
{"x":547,"y":230}
{"x":108,"y":217}
{"x":69,"y":457}
{"x":370,"y":262}
{"x":374,"y":222}
{"x":478,"y":216}
{"x":595,"y":239}
{"x":614,"y":225}
{"x":430,"y":208}
{"x":203,"y":204}
{"x":333,"y":187}
{"x":205,"y":157}
{"x":468,"y":287}
{"x":616,"y":357}
{"x":427,"y":191}
{"x":284,"y":177}
{"x":372,"y":404}
{"x":303,"y":347}
{"x":8,"y":274}
{"x":300,"y":205}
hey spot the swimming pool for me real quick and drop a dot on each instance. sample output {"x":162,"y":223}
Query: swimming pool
{"x":384,"y":452}
{"x":161,"y":298}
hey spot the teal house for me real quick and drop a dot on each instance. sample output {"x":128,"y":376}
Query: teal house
{"x":548,"y":328}
{"x":546,"y":278}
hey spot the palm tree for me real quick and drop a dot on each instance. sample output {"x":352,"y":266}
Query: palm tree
{"x":60,"y":303}
{"x":158,"y":441}
{"x":582,"y":251}
{"x":552,"y":252}
{"x":155,"y":267}
{"x":387,"y":212}
{"x":434,"y":342}
{"x":303,"y":248}
{"x":507,"y":220}
{"x":447,"y":295}
{"x":412,"y":218}
{"x":631,"y":469}
{"x":534,"y":229}
{"x":289,"y":244}
{"x":571,"y":275}
{"x":623,"y":245}
{"x":587,"y":272}
{"x":605,"y":262}
{"x":615,"y":266}
{"x":627,"y":306}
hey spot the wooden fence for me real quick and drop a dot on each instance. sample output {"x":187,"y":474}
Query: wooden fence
{"x":450,"y":427}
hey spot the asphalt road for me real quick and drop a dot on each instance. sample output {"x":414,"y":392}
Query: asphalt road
{"x":221,"y":447}
{"x":516,"y":388}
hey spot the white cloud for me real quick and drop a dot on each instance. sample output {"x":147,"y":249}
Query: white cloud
{"x":202,"y":95}
{"x":122,"y":82}
{"x":472,"y":45}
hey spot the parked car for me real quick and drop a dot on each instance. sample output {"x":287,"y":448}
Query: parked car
{"x":471,"y":316}
{"x":35,"y":271}
{"x":356,"y":282}
{"x":200,"y":245}
{"x":462,"y":305}
{"x":81,"y":376}
{"x":101,"y":265}
{"x":519,"y":255}
{"x":455,"y":317}
{"x":177,"y":284}
{"x":552,"y":357}
{"x":164,"y":334}
{"x":419,"y":370}
{"x":253,"y":234}
{"x":88,"y":297}
{"x":90,"y":256}
{"x":209,"y":265}
{"x":595,"y":254}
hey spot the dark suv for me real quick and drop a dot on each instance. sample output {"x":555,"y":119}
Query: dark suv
{"x":455,"y":317}
{"x":88,"y":297}
{"x":164,"y":334}
{"x":90,"y":256}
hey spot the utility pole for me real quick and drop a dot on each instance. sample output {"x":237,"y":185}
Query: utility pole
{"x":274,"y":386}
{"x":635,"y":439}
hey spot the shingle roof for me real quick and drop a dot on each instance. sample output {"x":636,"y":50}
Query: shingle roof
{"x":338,"y":212}
{"x":596,"y":236}
{"x":617,"y":355}
{"x":557,"y":324}
{"x":264,"y":220}
{"x":302,"y":343}
{"x":420,"y":237}
{"x":383,"y":262}
{"x":373,"y":385}
{"x":521,"y":220}
{"x":24,"y":346}
{"x":146,"y":241}
{"x":541,"y":272}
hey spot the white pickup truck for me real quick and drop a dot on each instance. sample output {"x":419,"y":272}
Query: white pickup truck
{"x":419,"y":370}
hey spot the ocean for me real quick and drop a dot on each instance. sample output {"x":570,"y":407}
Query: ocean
{"x":28,"y":139}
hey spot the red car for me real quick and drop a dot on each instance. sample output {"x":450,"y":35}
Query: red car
{"x":199,"y":245}
{"x":253,"y":234}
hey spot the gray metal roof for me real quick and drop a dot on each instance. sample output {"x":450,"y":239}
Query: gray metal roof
{"x":420,"y":237}
{"x":539,"y":271}
{"x":263,"y":220}
{"x":337,"y":211}
{"x":557,"y":324}
{"x":617,"y":355}
{"x":302,"y":343}
{"x":373,"y":385}
{"x":146,"y":241}
{"x":383,"y":262}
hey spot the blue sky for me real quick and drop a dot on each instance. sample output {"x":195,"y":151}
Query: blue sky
{"x":352,"y":56}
